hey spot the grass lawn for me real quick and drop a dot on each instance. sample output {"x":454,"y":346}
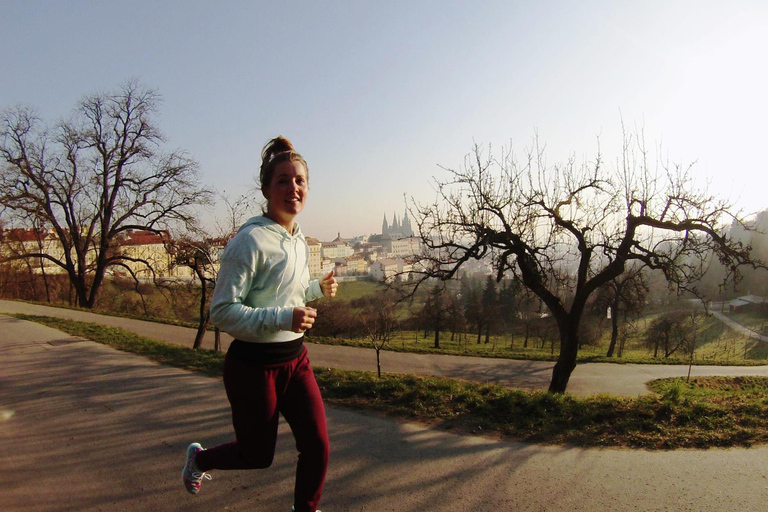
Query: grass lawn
{"x":717,"y":345}
{"x":702,"y":413}
{"x":351,"y":290}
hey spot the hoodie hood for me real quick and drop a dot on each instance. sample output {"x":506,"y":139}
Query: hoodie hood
{"x":261,"y":220}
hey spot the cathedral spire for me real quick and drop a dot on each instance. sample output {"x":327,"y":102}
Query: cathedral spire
{"x":406,"y":225}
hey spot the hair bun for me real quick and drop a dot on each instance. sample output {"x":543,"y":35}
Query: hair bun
{"x":277,"y":145}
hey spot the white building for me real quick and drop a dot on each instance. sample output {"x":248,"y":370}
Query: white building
{"x":315,"y":257}
{"x":351,"y":266}
{"x":401,"y":247}
{"x":338,"y":248}
{"x":388,"y":269}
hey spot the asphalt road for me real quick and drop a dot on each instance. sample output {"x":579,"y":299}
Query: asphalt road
{"x":84,"y":427}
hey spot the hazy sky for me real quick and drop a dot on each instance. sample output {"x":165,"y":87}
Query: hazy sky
{"x":378,"y":95}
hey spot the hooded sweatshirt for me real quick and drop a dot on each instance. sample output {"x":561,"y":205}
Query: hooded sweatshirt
{"x":264,"y":274}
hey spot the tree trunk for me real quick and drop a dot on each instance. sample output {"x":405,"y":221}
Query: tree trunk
{"x":31,"y":281}
{"x":623,"y":338}
{"x":81,"y":297}
{"x":45,"y":281}
{"x":98,"y":279}
{"x":566,"y":361}
{"x":205,"y":316}
{"x":201,"y":328}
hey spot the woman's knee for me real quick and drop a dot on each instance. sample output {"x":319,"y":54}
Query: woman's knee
{"x":257,"y":457}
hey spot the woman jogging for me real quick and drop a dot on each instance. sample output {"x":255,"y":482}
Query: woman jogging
{"x":260,"y":299}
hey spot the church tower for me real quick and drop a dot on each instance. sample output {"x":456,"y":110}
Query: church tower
{"x":384,"y":226}
{"x":406,"y":225}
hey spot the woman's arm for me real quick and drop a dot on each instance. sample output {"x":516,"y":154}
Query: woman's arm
{"x":231,"y":315}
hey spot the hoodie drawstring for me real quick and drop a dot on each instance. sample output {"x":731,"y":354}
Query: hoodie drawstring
{"x":285,"y":267}
{"x":294,"y":247}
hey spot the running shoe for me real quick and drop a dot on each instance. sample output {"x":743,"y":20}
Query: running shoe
{"x":190,"y":475}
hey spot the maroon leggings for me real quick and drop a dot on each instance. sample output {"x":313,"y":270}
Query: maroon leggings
{"x":258,"y":394}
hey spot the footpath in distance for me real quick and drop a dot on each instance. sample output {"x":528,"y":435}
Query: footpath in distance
{"x":587,"y":379}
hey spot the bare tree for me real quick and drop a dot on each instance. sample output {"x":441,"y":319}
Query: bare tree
{"x":529,"y":313}
{"x":567,"y":229}
{"x":490,"y":303}
{"x":472,"y":306}
{"x":669,"y":332}
{"x":437,"y":307}
{"x":457,"y":323}
{"x":93,"y":177}
{"x":199,"y":251}
{"x":200,"y":255}
{"x":379,"y":324}
{"x":624,"y":299}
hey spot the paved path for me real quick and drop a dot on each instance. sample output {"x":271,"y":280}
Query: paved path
{"x":84,"y":427}
{"x":587,"y":379}
{"x":738,"y":327}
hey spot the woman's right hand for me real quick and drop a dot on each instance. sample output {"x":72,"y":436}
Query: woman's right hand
{"x":303,"y":318}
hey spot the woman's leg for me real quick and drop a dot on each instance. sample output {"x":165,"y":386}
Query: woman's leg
{"x":253,"y":398}
{"x":302,"y":407}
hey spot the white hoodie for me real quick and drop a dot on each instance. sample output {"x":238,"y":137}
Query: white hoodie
{"x":264,"y":274}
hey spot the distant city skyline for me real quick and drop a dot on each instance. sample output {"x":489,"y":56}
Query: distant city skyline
{"x":401,"y":226}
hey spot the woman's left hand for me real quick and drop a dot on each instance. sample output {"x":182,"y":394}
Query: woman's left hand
{"x":328,"y":285}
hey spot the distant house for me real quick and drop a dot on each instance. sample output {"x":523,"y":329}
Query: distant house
{"x":387,"y":269}
{"x":18,"y":242}
{"x":337,"y":248}
{"x":370,"y":251}
{"x":357,"y":265}
{"x":135,"y":250}
{"x":326,"y":266}
{"x":351,"y":266}
{"x":400,"y":247}
{"x":315,"y":257}
{"x":141,"y":248}
{"x":748,"y":303}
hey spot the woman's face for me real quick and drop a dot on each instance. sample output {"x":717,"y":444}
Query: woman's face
{"x":286,"y":193}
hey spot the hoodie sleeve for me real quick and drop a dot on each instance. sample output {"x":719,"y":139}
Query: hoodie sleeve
{"x":228,"y":311}
{"x":313,"y":291}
